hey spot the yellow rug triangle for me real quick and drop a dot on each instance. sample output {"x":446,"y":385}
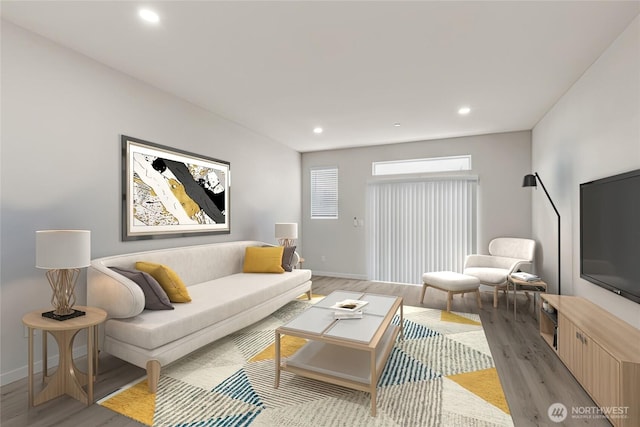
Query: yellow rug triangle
{"x":288,"y":346}
{"x":484,"y":384}
{"x":447,"y":316}
{"x":135,"y":402}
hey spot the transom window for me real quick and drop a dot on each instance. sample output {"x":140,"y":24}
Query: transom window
{"x":429,"y":165}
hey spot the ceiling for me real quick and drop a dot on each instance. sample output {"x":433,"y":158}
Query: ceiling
{"x":355,"y":68}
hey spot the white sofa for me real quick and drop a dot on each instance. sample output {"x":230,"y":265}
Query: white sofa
{"x":224,"y":300}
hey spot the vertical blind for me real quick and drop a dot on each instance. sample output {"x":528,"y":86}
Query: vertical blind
{"x":324,"y":193}
{"x":420,"y":226}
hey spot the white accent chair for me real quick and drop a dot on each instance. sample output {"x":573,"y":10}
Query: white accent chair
{"x":506,"y":256}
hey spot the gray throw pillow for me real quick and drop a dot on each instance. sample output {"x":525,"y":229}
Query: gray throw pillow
{"x":155,"y":298}
{"x":287,"y":258}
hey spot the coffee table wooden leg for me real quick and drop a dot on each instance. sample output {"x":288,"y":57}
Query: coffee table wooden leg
{"x":402,"y":321}
{"x":374,"y":383}
{"x":277,"y":345}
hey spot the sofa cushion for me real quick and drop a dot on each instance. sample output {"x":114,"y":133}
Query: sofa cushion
{"x":168,"y":279}
{"x":213,"y":301}
{"x":263,"y":259}
{"x":451,"y":281}
{"x":155,"y":298}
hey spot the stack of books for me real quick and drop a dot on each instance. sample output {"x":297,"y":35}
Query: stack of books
{"x":340,"y":315}
{"x":527,"y":277}
{"x":349,"y":309}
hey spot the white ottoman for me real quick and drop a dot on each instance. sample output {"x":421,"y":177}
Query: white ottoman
{"x":452,"y":283}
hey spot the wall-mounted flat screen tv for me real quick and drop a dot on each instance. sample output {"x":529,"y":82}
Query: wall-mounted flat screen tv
{"x":610,"y":233}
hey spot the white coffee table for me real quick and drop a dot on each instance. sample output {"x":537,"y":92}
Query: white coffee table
{"x":350,"y":353}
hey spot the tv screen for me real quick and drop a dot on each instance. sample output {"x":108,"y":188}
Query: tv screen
{"x":610,"y":233}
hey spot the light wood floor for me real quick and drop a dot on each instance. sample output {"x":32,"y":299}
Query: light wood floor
{"x":532,"y":375}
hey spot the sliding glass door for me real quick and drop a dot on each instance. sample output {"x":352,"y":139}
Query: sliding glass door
{"x":418,"y":226}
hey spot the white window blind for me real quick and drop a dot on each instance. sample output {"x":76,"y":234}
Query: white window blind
{"x":420,"y":226}
{"x":324,"y":193}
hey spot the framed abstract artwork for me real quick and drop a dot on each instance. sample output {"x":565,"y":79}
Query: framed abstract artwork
{"x":168,"y":192}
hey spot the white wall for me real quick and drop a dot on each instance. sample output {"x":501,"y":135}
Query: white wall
{"x":504,"y":207}
{"x":593,"y":131}
{"x":62,"y":117}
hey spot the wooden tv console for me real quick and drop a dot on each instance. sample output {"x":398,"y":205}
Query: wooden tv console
{"x":601,"y":351}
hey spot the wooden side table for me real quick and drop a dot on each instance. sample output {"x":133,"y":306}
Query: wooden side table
{"x":522,"y":285}
{"x":67,"y":379}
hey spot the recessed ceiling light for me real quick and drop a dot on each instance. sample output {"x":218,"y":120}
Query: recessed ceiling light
{"x":149,"y":15}
{"x":463,"y":111}
{"x":317,"y":130}
{"x":397,"y":124}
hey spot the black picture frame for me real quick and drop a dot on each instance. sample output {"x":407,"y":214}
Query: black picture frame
{"x":168,"y":192}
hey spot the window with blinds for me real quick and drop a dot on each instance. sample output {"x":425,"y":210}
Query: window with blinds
{"x":324,"y":193}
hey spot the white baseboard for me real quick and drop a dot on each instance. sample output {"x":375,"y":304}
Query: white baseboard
{"x":340,"y":275}
{"x":23,"y":371}
{"x":399,"y":283}
{"x":356,"y":277}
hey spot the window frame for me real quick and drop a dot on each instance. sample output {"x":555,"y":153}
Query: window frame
{"x":328,"y":208}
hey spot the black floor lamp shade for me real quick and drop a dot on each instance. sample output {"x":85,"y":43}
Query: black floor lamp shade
{"x":529,"y":181}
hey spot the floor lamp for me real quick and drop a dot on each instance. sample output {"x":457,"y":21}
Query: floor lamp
{"x":531,"y":181}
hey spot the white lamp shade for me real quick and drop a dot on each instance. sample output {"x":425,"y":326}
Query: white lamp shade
{"x":63,"y":249}
{"x":287,"y":230}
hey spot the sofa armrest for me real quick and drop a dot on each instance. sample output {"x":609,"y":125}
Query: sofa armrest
{"x":118,"y":296}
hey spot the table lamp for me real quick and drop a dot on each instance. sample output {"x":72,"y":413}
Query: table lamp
{"x":286,"y":233}
{"x":63,"y":253}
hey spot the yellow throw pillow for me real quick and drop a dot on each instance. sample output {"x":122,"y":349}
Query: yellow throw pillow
{"x":263,"y":260}
{"x":169,"y":280}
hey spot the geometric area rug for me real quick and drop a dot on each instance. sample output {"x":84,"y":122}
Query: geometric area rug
{"x":441,"y":374}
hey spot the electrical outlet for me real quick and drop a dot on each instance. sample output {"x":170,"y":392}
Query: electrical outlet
{"x":323,"y":258}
